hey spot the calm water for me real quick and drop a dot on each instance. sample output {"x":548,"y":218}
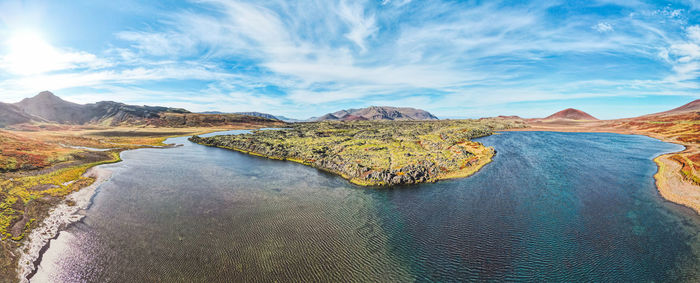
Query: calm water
{"x":551,"y":207}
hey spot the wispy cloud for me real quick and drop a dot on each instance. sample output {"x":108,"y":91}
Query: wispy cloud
{"x":285,"y":56}
{"x":603,"y":27}
{"x":360,"y":25}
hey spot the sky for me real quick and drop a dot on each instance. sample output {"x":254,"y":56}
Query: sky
{"x":455,"y":59}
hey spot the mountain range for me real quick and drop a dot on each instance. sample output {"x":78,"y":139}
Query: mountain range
{"x":259,"y":114}
{"x":10,"y":114}
{"x":689,"y":111}
{"x":371,"y":113}
{"x":47,"y":107}
{"x":50,"y":107}
{"x":374,"y":113}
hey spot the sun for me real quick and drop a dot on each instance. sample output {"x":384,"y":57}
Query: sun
{"x":28,"y":53}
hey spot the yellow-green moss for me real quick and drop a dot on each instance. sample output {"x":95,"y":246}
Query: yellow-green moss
{"x":59,"y":182}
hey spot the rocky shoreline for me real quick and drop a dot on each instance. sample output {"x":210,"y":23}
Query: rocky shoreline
{"x":673,"y":186}
{"x":70,"y":210}
{"x":403,"y":176}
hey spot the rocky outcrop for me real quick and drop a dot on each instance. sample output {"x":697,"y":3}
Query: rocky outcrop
{"x":169,"y":119}
{"x":412,"y":174}
{"x":376,"y":154}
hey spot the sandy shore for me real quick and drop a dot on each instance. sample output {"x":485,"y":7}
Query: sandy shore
{"x":59,"y":217}
{"x":672,"y":186}
{"x":669,"y":181}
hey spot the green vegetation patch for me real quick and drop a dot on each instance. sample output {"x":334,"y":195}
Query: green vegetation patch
{"x":19,"y":195}
{"x":25,"y":201}
{"x":688,"y":170}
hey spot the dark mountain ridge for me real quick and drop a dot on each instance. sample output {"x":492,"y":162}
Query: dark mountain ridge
{"x":377,"y":113}
{"x":10,"y":114}
{"x":259,"y":114}
{"x":47,"y":107}
{"x":50,"y":107}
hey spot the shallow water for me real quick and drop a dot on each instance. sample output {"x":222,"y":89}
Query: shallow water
{"x":550,"y":207}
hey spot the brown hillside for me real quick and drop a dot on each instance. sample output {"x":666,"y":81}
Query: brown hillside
{"x":571,"y":114}
{"x":688,"y":110}
{"x":11,"y":114}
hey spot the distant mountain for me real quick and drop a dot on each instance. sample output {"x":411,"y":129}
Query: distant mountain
{"x":11,"y":114}
{"x":693,"y":106}
{"x":687,"y":112}
{"x":509,"y":117}
{"x":289,"y":120}
{"x":377,"y":113}
{"x":116,"y":113}
{"x":47,"y":107}
{"x":343,"y":113}
{"x":258,"y":114}
{"x":52,"y":108}
{"x":351,"y":117}
{"x":327,"y":117}
{"x":570,"y":114}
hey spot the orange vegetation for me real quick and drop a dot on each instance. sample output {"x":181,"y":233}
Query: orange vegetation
{"x":23,"y":153}
{"x":40,"y":164}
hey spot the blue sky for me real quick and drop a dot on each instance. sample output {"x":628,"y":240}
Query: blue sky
{"x":611,"y":58}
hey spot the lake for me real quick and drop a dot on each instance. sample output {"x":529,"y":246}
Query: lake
{"x":550,"y":207}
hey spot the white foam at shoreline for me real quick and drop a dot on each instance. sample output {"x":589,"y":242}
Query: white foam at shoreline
{"x":59,"y":217}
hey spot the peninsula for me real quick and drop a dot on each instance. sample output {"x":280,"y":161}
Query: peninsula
{"x":376,"y":153}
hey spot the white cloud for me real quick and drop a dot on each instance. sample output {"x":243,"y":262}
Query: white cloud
{"x":28,"y":53}
{"x":685,"y":52}
{"x":396,"y":3}
{"x":361,"y":26}
{"x":25,"y":85}
{"x":684,"y":57}
{"x":693,"y":33}
{"x":603,"y":27}
{"x":441,"y":55}
{"x":158,"y":44}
